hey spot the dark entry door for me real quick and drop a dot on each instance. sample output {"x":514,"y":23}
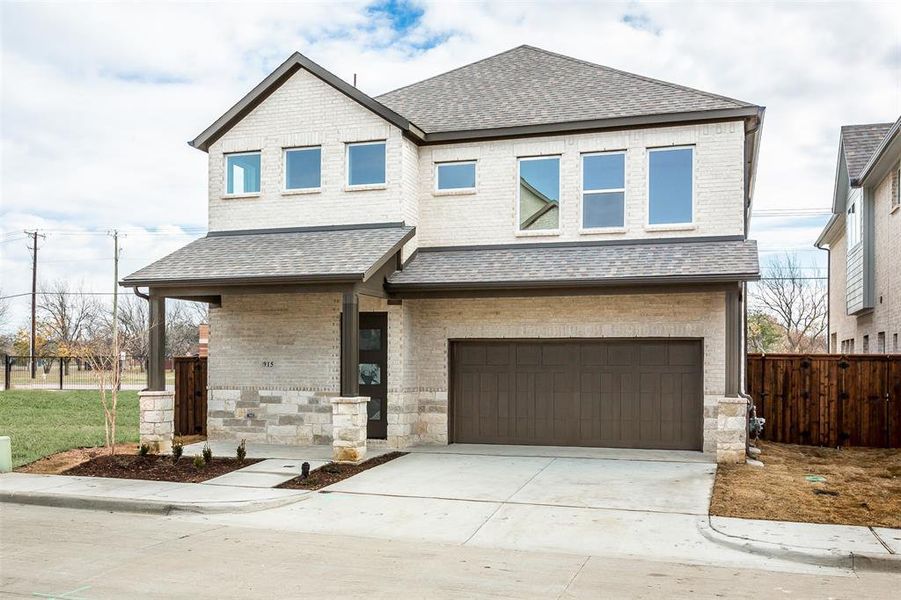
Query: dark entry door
{"x":374,"y":371}
{"x":590,"y":392}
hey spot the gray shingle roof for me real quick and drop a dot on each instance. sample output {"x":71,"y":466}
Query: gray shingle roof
{"x":322,"y":254}
{"x":720,"y":259}
{"x":859,"y":142}
{"x":530,"y":86}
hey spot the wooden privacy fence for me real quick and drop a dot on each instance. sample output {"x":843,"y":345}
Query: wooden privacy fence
{"x":190,"y":395}
{"x":828,"y":399}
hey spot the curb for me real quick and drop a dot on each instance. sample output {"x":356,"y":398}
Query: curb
{"x":152,"y":507}
{"x":887,"y":563}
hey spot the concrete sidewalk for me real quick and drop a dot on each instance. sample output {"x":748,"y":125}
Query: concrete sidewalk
{"x":132,"y":495}
{"x":843,"y":546}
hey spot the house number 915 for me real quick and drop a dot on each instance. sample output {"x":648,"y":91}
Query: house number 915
{"x":268,"y":363}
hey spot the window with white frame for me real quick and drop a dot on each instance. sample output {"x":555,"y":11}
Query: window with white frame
{"x":538,"y":202}
{"x":853,"y":221}
{"x":455,"y":176}
{"x":242,"y":173}
{"x":604,"y":190}
{"x":303,"y":168}
{"x":671,"y":186}
{"x":366,"y":164}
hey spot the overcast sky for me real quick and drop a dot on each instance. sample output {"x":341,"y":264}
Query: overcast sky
{"x":98,"y":100}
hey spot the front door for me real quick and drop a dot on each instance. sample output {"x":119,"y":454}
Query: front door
{"x":374,"y":371}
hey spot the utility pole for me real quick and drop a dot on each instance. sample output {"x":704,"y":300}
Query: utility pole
{"x":34,"y":294}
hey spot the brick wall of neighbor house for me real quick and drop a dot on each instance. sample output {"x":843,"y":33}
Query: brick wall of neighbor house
{"x":289,"y":402}
{"x":886,"y":314}
{"x":435,"y":321}
{"x":488,"y":216}
{"x":306,"y":112}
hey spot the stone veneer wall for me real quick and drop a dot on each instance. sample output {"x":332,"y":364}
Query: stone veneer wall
{"x":290,"y":402}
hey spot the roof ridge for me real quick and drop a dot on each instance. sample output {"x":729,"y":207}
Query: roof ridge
{"x":888,"y":124}
{"x":637,"y":76}
{"x":454,"y":70}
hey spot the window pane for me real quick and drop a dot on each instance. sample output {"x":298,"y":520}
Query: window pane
{"x":604,"y":172}
{"x":456,"y":176}
{"x":374,"y":409}
{"x":539,"y":194}
{"x":370,"y":374}
{"x":302,"y":168}
{"x":243,"y":174}
{"x":603,"y":210}
{"x":366,"y":164}
{"x":670,"y":186}
{"x":370,"y":339}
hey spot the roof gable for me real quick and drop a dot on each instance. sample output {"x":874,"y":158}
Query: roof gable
{"x":528,"y":86}
{"x":278,"y":77}
{"x":858,"y":143}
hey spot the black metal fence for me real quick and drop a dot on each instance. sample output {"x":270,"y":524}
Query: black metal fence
{"x":66,"y":373}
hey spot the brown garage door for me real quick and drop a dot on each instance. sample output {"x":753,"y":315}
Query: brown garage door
{"x":613,"y":393}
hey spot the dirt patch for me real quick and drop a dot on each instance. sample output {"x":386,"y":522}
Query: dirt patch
{"x":335,"y":472}
{"x":156,"y":467}
{"x":848,"y":486}
{"x":63,"y":461}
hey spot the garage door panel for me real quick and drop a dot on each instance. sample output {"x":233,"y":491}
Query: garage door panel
{"x":617,"y":393}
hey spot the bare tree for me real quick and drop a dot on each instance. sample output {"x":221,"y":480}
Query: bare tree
{"x":134,"y":327}
{"x":66,"y":316}
{"x":101,"y":353}
{"x":796,"y":302}
{"x":182,"y":321}
{"x":4,"y":313}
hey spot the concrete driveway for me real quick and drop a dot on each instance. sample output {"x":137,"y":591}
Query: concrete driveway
{"x":576,"y":501}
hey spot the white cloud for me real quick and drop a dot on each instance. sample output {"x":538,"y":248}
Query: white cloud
{"x":98,"y":99}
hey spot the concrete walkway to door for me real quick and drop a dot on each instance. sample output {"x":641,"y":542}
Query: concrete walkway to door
{"x":608,"y":503}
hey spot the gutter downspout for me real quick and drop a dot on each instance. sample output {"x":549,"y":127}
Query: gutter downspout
{"x":742,"y":379}
{"x":140,"y":294}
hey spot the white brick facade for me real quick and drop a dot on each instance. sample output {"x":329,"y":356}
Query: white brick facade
{"x":274,"y":359}
{"x":289,"y":401}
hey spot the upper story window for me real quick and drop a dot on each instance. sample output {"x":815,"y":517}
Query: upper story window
{"x":670,"y":186}
{"x":455,"y":176}
{"x":303,"y":168}
{"x":603,"y":190}
{"x":366,"y":164}
{"x":539,"y":194}
{"x":242,"y":173}
{"x":853,"y":221}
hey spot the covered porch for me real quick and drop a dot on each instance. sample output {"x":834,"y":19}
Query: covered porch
{"x":285,"y":315}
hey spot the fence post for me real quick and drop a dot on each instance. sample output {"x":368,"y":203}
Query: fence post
{"x":7,"y":372}
{"x":61,"y":359}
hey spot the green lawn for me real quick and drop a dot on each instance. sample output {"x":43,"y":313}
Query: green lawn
{"x":42,"y":422}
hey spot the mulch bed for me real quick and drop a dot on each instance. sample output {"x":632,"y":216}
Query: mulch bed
{"x":808,"y":484}
{"x":335,"y":472}
{"x":155,"y":467}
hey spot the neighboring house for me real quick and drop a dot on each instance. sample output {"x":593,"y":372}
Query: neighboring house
{"x":530,"y":249}
{"x":863,"y":238}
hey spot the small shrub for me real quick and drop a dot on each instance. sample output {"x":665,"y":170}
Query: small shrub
{"x":144,"y":450}
{"x":241,"y":452}
{"x":207,"y":453}
{"x":198,"y":462}
{"x":177,"y":450}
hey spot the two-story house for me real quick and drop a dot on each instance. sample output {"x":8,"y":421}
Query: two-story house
{"x":530,"y":249}
{"x":863,"y":238}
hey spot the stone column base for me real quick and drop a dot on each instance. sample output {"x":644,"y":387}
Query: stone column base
{"x":731,"y":430}
{"x":349,"y":418}
{"x":157,"y":419}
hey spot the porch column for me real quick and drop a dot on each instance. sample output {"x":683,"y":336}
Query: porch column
{"x":350,"y":352}
{"x":156,"y":370}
